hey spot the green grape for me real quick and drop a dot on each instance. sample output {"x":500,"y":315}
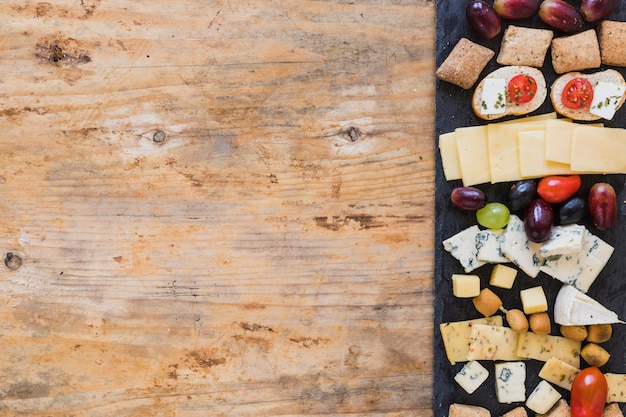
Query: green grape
{"x":493,"y":216}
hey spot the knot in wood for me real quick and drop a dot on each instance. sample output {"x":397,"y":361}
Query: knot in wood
{"x":352,"y":134}
{"x":159,"y":136}
{"x":12,"y":261}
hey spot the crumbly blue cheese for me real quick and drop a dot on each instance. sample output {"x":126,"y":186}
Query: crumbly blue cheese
{"x":543,"y":397}
{"x":462,"y":246}
{"x":488,"y":246}
{"x":471,"y":376}
{"x":519,"y":249}
{"x":493,"y":97}
{"x":580,"y":269}
{"x":606,"y":99}
{"x":510,"y":382}
{"x":563,"y":240}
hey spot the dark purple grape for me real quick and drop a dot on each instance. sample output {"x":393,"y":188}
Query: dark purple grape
{"x":468,"y":198}
{"x":594,"y":10}
{"x":516,"y":9}
{"x":521,"y":194}
{"x":561,"y":15}
{"x":603,"y":205}
{"x":572,"y":210}
{"x":538,"y":220}
{"x":483,"y":19}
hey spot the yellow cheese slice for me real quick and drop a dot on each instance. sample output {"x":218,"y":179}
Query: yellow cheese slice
{"x":456,"y":336}
{"x":559,"y":140}
{"x":535,"y":118}
{"x":532,"y":156}
{"x":449,"y":156}
{"x":542,"y":347}
{"x":599,"y":149}
{"x":471,"y":146}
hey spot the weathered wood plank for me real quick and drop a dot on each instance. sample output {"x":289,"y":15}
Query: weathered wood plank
{"x":220,"y":208}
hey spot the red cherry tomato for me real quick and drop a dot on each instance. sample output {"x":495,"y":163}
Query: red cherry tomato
{"x":522,"y":88}
{"x":589,"y":392}
{"x":577,"y":94}
{"x":556,"y":189}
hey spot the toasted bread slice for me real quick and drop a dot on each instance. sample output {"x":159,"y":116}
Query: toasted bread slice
{"x":608,"y":76}
{"x":511,"y":108}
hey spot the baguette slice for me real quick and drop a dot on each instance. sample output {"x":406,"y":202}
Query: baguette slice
{"x":512,"y":108}
{"x":609,"y":76}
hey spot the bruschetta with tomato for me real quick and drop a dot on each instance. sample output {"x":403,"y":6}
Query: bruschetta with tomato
{"x":593,"y":96}
{"x":511,"y":90}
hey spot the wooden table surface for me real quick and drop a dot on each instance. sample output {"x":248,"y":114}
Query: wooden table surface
{"x":216,"y":208}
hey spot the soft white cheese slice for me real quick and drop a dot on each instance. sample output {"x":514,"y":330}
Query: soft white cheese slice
{"x":574,"y":308}
{"x":463,"y":247}
{"x":563,"y":240}
{"x":488,"y":246}
{"x":493,"y":97}
{"x":471,"y":376}
{"x":543,"y":397}
{"x":519,"y":249}
{"x":606,"y":99}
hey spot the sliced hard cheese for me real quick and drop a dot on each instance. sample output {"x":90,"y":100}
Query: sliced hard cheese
{"x":543,"y":346}
{"x":532,"y":156}
{"x":595,"y":148}
{"x":463,"y":247}
{"x":617,"y":387}
{"x":488,"y":246}
{"x":449,"y":156}
{"x":559,"y":140}
{"x":471,"y":376}
{"x":510,"y":382}
{"x":504,"y":160}
{"x":471,"y":146}
{"x":574,"y":308}
{"x":492,"y":343}
{"x":559,"y":372}
{"x":535,"y":118}
{"x":521,"y":251}
{"x":456,"y":336}
{"x":543,"y":397}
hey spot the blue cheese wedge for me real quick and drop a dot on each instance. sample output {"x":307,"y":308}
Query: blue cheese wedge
{"x":471,"y":376}
{"x":492,"y":343}
{"x":510,"y":382}
{"x":542,"y":347}
{"x":493,"y":97}
{"x":582,"y":268}
{"x":606,"y":99}
{"x":558,"y":372}
{"x":488,"y":246}
{"x":519,"y":249}
{"x":563,"y":240}
{"x":574,"y":308}
{"x":543,"y":397}
{"x":456,"y":336}
{"x":463,"y":247}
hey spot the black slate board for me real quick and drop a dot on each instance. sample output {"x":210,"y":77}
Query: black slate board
{"x":453,"y":109}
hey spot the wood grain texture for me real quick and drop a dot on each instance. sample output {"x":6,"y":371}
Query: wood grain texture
{"x":222,"y":208}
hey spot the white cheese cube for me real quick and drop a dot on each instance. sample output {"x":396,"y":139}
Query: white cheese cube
{"x":606,"y":99}
{"x":563,"y":240}
{"x":542,"y":347}
{"x":493,"y":97}
{"x":492,"y":343}
{"x":519,"y":249}
{"x":488,"y":246}
{"x":559,"y":372}
{"x":534,"y":300}
{"x":543,"y":397}
{"x":573,"y":308}
{"x":471,"y":376}
{"x":503,"y":276}
{"x":456,"y":336}
{"x":462,"y":246}
{"x":465,"y":286}
{"x":510,"y":382}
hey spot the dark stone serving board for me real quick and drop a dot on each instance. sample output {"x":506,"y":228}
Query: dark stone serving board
{"x":453,"y":109}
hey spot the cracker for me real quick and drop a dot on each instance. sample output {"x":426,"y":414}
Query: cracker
{"x":612,"y":39}
{"x":576,"y":52}
{"x":464,"y":64}
{"x":524,"y":46}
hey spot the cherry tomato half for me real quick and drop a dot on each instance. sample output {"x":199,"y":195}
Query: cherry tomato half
{"x":522,"y":88}
{"x":589,"y":391}
{"x":557,"y":188}
{"x":577,"y":94}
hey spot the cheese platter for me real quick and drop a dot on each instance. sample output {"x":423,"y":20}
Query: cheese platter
{"x":456,"y":229}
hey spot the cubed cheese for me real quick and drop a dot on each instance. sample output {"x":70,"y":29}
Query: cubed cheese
{"x":559,"y":372}
{"x":456,"y":336}
{"x":493,"y":97}
{"x":534,"y":300}
{"x":542,"y":347}
{"x":471,"y":376}
{"x":462,"y":246}
{"x":573,"y":308}
{"x":607,"y":98}
{"x":519,"y":249}
{"x":488,"y":246}
{"x":543,"y":397}
{"x":563,"y":240}
{"x":510,"y":382}
{"x":503,"y":276}
{"x":465,"y":286}
{"x":617,"y":387}
{"x":492,"y":343}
